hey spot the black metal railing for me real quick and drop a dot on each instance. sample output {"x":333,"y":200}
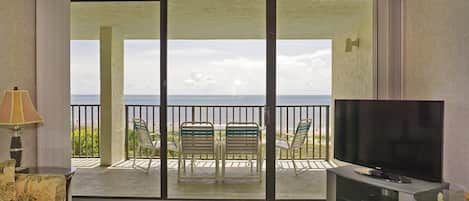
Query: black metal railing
{"x":316,"y":146}
{"x":86,"y":126}
{"x":85,"y":130}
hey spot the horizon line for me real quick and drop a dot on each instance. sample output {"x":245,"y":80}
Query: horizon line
{"x":209,"y":95}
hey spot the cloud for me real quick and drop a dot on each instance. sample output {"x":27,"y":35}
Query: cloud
{"x":199,"y":79}
{"x":307,"y":73}
{"x":191,"y":52}
{"x":216,"y":68}
{"x":240,"y":62}
{"x":84,"y":67}
{"x":237,"y":82}
{"x":84,"y":81}
{"x":152,"y":52}
{"x":320,"y":58}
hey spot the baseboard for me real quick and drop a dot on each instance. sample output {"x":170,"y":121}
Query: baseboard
{"x":98,"y":198}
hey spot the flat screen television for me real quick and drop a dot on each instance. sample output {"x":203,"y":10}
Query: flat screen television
{"x":401,"y":137}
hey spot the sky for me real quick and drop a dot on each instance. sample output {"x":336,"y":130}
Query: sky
{"x":210,"y":67}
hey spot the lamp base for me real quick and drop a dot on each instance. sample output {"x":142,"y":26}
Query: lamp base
{"x":16,"y":148}
{"x":22,"y":170}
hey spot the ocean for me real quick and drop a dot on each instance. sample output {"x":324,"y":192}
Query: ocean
{"x":210,"y":99}
{"x":221,"y":109}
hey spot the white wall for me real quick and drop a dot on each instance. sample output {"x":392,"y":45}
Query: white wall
{"x":353,"y":72}
{"x":45,"y":74}
{"x":17,"y":65}
{"x":436,"y":66}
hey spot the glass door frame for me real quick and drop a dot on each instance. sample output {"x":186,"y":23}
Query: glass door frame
{"x":379,"y":52}
{"x":271,"y":92}
{"x":271,"y":96}
{"x":163,"y":99}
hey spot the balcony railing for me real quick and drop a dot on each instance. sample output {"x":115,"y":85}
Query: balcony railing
{"x":85,"y":130}
{"x":86,"y":126}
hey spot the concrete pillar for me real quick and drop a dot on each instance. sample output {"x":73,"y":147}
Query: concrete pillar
{"x":112,"y":96}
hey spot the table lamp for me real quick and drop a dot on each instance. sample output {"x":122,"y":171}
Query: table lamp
{"x":17,"y":111}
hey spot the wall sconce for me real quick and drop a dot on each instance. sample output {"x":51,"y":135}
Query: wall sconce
{"x":349,"y":44}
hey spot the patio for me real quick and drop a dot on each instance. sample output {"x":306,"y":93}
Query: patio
{"x":105,"y":132}
{"x":95,"y":178}
{"x":121,"y":180}
{"x":103,"y":139}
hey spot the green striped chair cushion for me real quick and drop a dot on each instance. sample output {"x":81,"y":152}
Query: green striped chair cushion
{"x":230,"y":131}
{"x":187,"y":131}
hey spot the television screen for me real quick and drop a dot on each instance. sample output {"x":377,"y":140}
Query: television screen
{"x":401,"y":137}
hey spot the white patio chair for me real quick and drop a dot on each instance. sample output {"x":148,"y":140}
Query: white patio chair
{"x":297,"y":140}
{"x":196,"y":138}
{"x":147,"y":140}
{"x":243,"y":139}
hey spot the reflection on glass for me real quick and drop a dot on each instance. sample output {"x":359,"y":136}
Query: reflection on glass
{"x":216,"y":87}
{"x":313,"y":69}
{"x":114,"y":82}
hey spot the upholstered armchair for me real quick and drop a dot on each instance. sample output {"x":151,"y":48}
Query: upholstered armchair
{"x":40,"y":187}
{"x":24,"y":187}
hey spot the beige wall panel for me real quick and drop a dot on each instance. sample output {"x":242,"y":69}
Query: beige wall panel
{"x":53,"y":82}
{"x":437,"y":67}
{"x":17,"y":65}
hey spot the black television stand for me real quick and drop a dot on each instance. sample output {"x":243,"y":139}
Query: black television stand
{"x":380,"y":174}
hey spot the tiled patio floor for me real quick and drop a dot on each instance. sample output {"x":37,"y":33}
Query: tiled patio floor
{"x":121,"y":180}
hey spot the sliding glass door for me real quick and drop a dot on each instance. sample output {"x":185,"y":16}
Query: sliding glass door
{"x":115,"y":83}
{"x":237,"y":95}
{"x":324,"y":52}
{"x":216,"y":98}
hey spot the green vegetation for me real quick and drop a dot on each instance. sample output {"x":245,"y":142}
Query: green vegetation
{"x":85,"y":143}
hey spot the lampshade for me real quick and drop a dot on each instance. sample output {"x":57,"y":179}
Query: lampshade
{"x":17,"y":109}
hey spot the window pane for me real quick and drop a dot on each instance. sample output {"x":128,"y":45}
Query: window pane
{"x":216,"y":74}
{"x":315,"y":66}
{"x":115,"y":79}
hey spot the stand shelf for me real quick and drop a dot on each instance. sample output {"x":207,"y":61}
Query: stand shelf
{"x":344,"y":184}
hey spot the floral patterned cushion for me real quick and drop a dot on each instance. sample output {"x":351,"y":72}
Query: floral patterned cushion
{"x":7,"y":181}
{"x":40,"y":188}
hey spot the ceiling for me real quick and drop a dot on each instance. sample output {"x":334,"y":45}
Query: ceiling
{"x":221,"y":19}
